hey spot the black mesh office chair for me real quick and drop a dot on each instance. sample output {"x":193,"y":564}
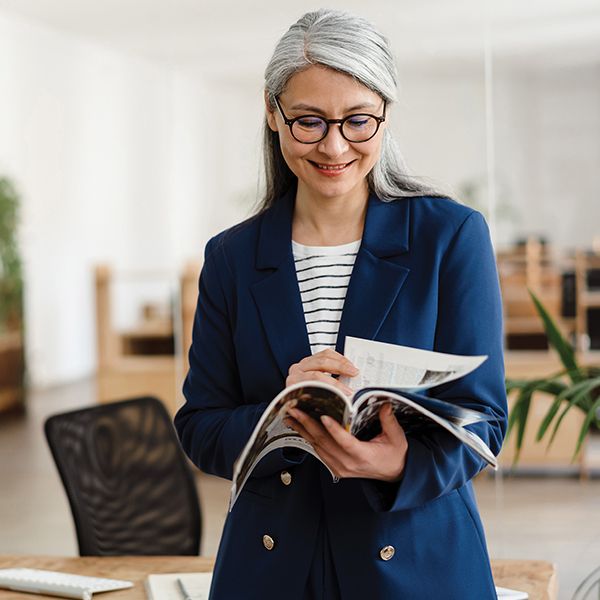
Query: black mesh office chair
{"x":130,"y":488}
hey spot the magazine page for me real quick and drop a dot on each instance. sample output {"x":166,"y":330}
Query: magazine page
{"x":459,"y":415}
{"x":402,"y":367}
{"x":412,"y":416}
{"x":314,"y":398}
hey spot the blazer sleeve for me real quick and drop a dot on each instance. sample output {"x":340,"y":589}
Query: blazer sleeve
{"x":469,"y":322}
{"x":214,"y":424}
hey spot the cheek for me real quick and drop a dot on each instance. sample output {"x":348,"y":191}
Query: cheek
{"x":293,"y":153}
{"x":370,"y":154}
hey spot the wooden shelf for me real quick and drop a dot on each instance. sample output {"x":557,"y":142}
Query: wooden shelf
{"x":589,"y":299}
{"x":142,"y":360}
{"x":11,"y":369}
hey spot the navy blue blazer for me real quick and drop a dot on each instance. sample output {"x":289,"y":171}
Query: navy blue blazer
{"x":424,"y":276}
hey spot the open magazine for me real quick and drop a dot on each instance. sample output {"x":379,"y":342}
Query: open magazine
{"x":387,"y":374}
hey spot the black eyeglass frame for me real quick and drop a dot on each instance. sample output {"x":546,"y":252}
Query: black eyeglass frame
{"x":328,"y":122}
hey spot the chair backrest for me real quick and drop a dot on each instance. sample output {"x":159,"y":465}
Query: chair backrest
{"x":589,"y":588}
{"x":128,"y":482}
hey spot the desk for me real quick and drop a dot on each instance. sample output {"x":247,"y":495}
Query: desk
{"x":538,"y":578}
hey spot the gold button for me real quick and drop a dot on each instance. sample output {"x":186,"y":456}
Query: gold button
{"x":268,"y":542}
{"x":387,"y":552}
{"x":286,"y":477}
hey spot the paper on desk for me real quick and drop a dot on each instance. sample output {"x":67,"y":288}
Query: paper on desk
{"x":506,"y":594}
{"x":163,"y":586}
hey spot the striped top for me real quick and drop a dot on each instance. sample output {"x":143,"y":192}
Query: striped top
{"x":323,"y":276}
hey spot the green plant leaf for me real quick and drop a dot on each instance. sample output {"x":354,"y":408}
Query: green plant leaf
{"x":518,"y":417}
{"x":591,"y":416}
{"x":576,"y":395}
{"x":516,"y":384}
{"x":557,"y":341}
{"x":558,"y":390}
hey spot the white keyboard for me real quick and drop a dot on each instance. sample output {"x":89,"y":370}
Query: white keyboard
{"x":53,"y":583}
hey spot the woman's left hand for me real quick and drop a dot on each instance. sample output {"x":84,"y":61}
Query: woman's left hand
{"x":382,"y":457}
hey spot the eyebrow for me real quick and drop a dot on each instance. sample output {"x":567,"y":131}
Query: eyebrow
{"x":316,"y":109}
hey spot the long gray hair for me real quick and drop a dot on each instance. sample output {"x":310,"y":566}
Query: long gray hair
{"x":351,"y":45}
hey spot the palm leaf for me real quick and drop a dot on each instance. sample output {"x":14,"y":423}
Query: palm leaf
{"x":575,"y":396}
{"x":557,"y":341}
{"x":518,"y":417}
{"x":591,"y":416}
{"x":562,"y":389}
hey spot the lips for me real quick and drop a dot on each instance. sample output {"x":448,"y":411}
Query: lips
{"x":331,"y":170}
{"x":330,"y":167}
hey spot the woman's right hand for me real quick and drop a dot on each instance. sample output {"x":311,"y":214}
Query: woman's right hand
{"x":321,"y":367}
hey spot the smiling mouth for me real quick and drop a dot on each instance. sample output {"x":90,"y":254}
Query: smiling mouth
{"x":328,"y":167}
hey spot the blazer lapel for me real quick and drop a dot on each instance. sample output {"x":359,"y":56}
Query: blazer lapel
{"x":374,"y":285}
{"x":277,"y":294}
{"x":376,"y":279}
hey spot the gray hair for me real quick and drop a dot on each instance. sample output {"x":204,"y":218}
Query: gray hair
{"x":348,"y":44}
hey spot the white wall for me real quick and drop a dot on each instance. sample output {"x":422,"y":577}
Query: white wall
{"x":216,"y":155}
{"x":548,"y":152}
{"x":85,"y":135}
{"x":138,"y":163}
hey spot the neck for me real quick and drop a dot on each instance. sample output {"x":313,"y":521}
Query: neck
{"x":329,"y":221}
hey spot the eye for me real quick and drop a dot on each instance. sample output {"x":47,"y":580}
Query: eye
{"x":309,"y":123}
{"x":358,"y":122}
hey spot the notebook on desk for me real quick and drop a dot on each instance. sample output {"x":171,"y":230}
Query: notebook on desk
{"x":164,"y":586}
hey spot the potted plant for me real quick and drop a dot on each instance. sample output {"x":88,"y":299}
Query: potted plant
{"x":574,"y":386}
{"x":11,"y":300}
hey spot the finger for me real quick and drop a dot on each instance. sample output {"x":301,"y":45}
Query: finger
{"x":329,"y":456}
{"x":389,"y":423}
{"x":319,"y":376}
{"x":344,"y":439}
{"x":314,"y":428}
{"x":319,"y":435}
{"x":332,"y":459}
{"x":299,"y":375}
{"x":299,"y":429}
{"x":323,"y":361}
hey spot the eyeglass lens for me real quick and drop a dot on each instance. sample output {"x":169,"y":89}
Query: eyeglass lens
{"x":358,"y":128}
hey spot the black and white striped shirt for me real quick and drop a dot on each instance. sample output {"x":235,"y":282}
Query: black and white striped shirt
{"x":323,"y":276}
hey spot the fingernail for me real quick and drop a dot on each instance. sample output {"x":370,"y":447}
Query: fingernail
{"x":325,"y":420}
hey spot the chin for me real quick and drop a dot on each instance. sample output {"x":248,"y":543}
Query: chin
{"x":333,"y":189}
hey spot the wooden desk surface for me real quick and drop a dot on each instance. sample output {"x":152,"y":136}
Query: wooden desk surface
{"x":131,"y":568}
{"x":536,"y":577}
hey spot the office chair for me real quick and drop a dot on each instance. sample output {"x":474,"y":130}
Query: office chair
{"x":589,"y":588}
{"x":129,"y":485}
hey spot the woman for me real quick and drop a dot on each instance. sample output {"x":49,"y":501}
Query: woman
{"x":345,"y":244}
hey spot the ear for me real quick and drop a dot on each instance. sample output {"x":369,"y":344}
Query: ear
{"x":270,"y":113}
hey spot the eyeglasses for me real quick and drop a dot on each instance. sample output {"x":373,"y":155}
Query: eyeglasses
{"x":310,"y":129}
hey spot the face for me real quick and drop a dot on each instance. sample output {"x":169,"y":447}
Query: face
{"x":324,"y":92}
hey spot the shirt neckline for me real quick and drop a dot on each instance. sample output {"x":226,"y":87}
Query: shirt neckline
{"x":303,"y":249}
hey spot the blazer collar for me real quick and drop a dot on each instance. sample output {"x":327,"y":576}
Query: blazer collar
{"x":386,"y":231}
{"x":374,"y":285}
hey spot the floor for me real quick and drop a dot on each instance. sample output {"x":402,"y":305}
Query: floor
{"x":549,"y":518}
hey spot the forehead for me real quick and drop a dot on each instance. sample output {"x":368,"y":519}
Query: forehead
{"x":328,"y":89}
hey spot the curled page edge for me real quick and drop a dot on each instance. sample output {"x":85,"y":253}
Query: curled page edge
{"x":464,"y":435}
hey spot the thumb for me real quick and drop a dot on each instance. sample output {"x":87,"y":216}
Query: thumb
{"x":389,"y":423}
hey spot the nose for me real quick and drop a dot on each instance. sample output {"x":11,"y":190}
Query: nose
{"x":333,"y":144}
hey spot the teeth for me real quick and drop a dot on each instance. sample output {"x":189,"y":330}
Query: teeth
{"x":332,"y":168}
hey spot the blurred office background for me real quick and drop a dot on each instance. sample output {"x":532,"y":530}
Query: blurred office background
{"x":131,"y":133}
